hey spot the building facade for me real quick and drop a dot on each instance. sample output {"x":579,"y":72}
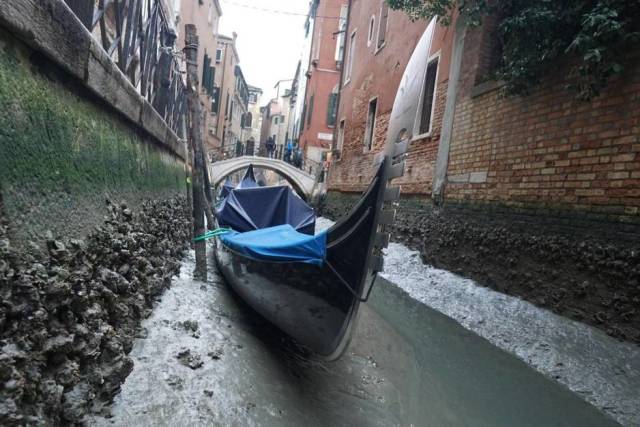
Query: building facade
{"x":253,"y":122}
{"x":226,"y":60}
{"x":524,"y":194}
{"x":205,"y":15}
{"x":275,"y":121}
{"x":545,"y":149}
{"x":379,"y":44}
{"x":236,"y":130}
{"x":318,"y":117}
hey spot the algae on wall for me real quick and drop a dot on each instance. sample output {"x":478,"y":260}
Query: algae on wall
{"x":62,"y":154}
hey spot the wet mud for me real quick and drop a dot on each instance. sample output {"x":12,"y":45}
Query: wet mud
{"x":69,"y":312}
{"x":407,"y":365}
{"x":586,"y":271}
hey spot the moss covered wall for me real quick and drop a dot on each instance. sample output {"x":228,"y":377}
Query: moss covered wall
{"x":63,"y":152}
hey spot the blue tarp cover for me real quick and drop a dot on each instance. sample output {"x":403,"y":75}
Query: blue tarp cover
{"x":226,"y":188}
{"x":281,"y":243}
{"x":250,"y":209}
{"x":249,"y":179}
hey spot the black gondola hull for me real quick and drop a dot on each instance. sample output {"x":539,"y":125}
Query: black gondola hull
{"x":305,"y":301}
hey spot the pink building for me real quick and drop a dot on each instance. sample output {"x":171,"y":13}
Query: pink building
{"x":318,"y":120}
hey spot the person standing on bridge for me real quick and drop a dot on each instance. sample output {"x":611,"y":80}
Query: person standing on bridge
{"x":297,"y":157}
{"x":288,"y":151}
{"x":271,"y":146}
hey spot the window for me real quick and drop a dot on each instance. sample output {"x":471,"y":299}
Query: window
{"x":303,"y":116}
{"x":210,"y":81}
{"x":340,"y":135}
{"x":372,"y":25}
{"x":332,"y":108}
{"x":342,"y":28}
{"x":310,"y":110}
{"x":350,"y":58}
{"x":427,"y":101}
{"x":205,"y":70}
{"x":226,"y":107}
{"x":215,"y":100}
{"x":214,"y":26}
{"x":382,"y":26}
{"x":317,"y":42}
{"x":208,"y":75}
{"x":218,"y":55}
{"x":248,"y":118}
{"x":275,"y":120}
{"x":369,"y":134}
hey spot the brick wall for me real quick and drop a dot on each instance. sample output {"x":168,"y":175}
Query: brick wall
{"x":354,"y":170}
{"x":377,"y":73}
{"x":547,"y":149}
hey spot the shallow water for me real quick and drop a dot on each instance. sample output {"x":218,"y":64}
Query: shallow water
{"x":408,"y":364}
{"x":603,"y":370}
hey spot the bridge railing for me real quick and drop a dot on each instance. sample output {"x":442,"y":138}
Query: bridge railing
{"x":309,"y":166}
{"x":138,"y":37}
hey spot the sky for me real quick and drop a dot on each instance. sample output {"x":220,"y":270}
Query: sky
{"x":269,"y":44}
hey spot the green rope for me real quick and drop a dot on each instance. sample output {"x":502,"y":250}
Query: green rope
{"x":211,"y":234}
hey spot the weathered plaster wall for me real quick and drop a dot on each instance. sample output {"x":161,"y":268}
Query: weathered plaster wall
{"x":63,"y":151}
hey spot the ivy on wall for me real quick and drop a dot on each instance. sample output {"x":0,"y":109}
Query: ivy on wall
{"x":534,"y":35}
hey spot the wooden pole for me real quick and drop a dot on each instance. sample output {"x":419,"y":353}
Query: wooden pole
{"x":195,"y":138}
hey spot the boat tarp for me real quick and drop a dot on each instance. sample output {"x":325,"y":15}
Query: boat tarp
{"x":249,"y":179}
{"x":248,"y":209}
{"x":281,"y":243}
{"x":226,"y":188}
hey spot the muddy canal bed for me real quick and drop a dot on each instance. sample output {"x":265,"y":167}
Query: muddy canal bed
{"x":204,"y":358}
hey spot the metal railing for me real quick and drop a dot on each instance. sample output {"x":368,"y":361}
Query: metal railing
{"x":137,"y":36}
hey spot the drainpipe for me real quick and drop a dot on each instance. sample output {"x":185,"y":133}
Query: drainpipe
{"x":442,"y":161}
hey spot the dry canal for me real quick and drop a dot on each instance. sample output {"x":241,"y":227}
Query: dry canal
{"x":205,"y":359}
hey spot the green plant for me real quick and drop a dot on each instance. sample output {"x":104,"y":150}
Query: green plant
{"x":596,"y":35}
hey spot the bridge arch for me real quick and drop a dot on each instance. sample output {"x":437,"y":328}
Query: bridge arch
{"x":303,"y":183}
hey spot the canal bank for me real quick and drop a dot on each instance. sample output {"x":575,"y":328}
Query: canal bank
{"x":576,"y":265}
{"x":205,"y":358}
{"x":70,"y":310}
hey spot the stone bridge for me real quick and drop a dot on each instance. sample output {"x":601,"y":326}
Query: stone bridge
{"x":305,"y":184}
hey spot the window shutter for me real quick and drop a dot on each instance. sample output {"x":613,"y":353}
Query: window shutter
{"x":332,"y":109}
{"x":310,"y":109}
{"x":212,"y":75}
{"x":205,"y":71}
{"x":303,"y":116}
{"x":215,"y":100}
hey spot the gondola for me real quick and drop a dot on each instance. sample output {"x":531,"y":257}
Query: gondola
{"x":311,"y":286}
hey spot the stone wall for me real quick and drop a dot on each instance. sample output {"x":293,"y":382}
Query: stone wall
{"x":93,"y":218}
{"x":70,"y":310}
{"x":576,"y":265}
{"x":63,"y":151}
